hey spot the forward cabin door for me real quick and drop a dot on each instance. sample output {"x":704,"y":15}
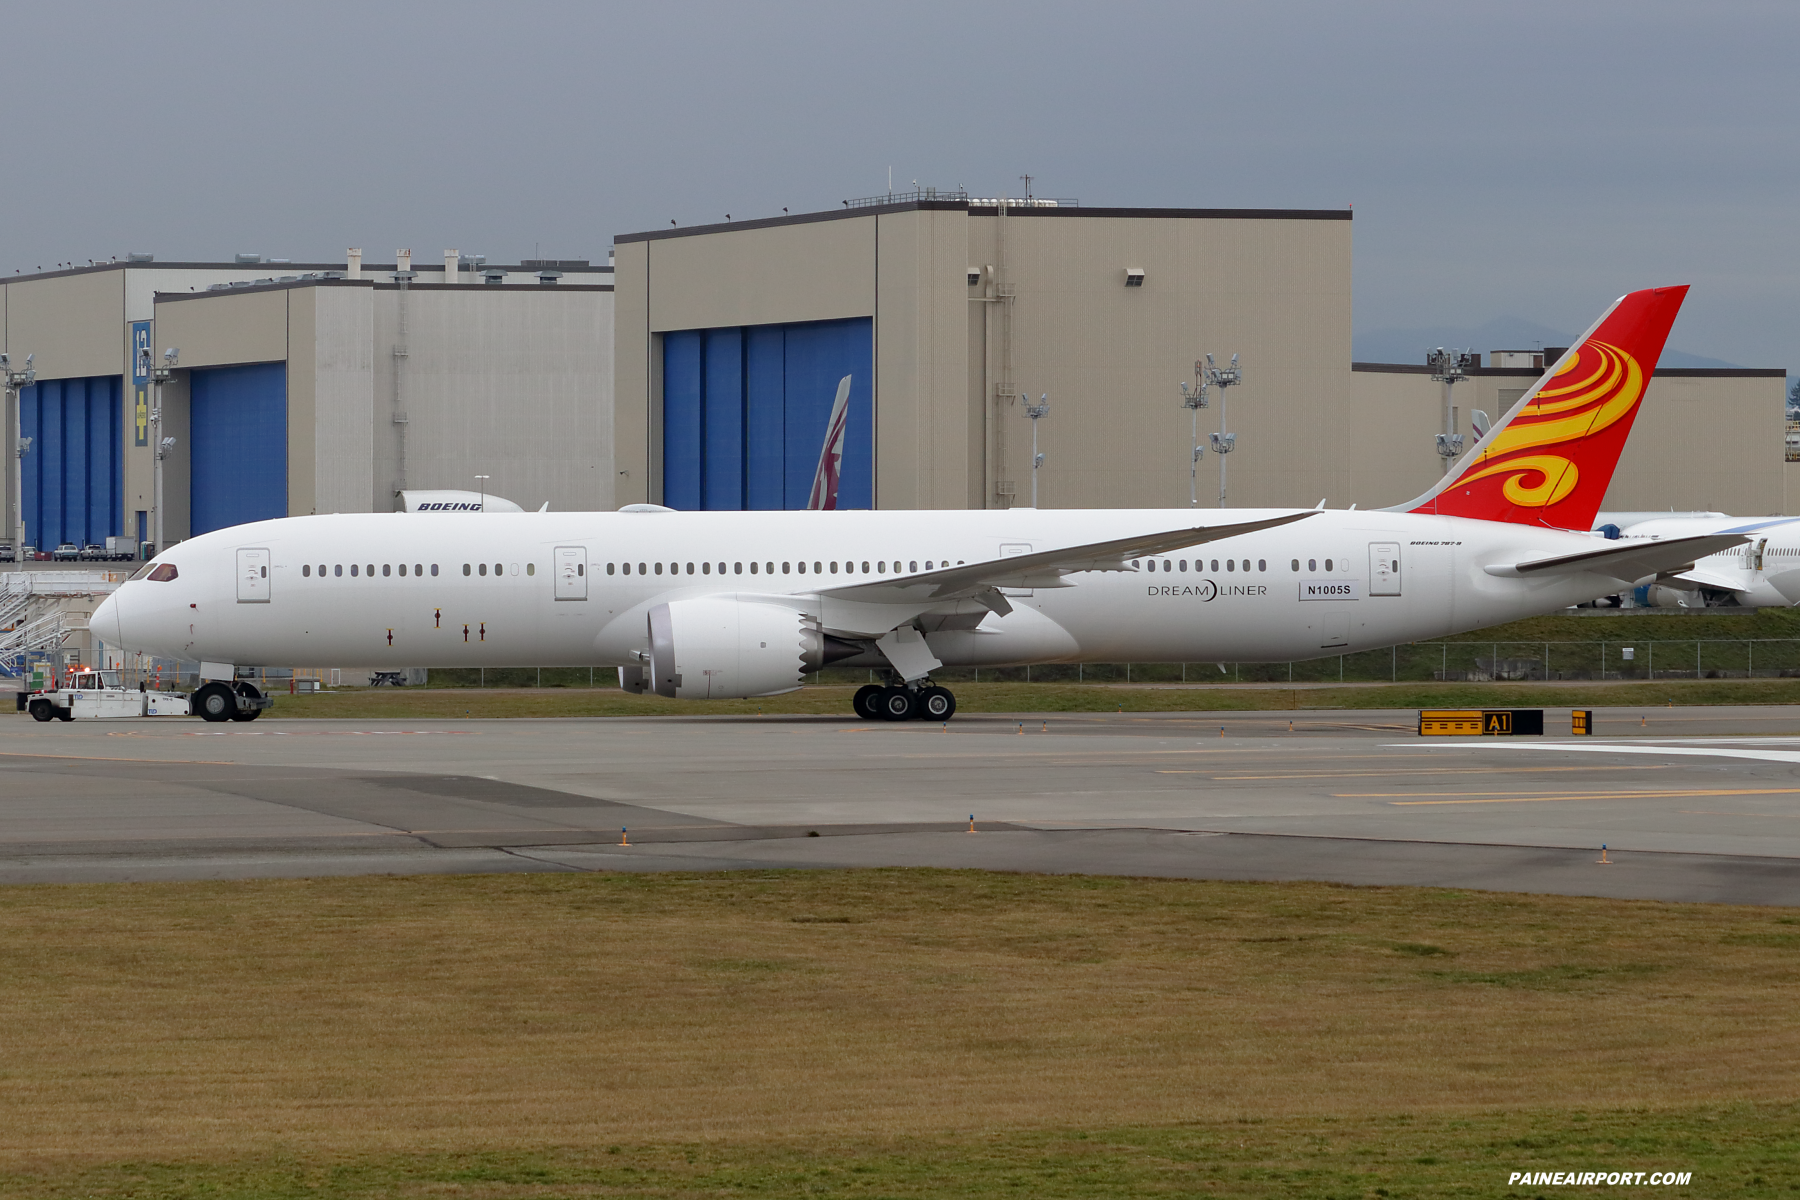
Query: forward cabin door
{"x":570,"y":573}
{"x":253,"y":576}
{"x":1384,"y":568}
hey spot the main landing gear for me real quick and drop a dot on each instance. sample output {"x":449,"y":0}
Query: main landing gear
{"x":218,"y":701}
{"x":922,"y":701}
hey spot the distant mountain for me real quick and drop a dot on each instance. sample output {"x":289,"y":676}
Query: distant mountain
{"x":1503,"y":333}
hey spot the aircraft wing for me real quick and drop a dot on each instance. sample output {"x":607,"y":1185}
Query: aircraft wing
{"x":1712,"y":579}
{"x":1625,"y":560}
{"x":871,"y":609}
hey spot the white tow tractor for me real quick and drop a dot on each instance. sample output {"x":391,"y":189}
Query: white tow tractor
{"x":95,"y":695}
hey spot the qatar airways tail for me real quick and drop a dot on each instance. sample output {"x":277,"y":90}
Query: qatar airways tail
{"x":697,"y":605}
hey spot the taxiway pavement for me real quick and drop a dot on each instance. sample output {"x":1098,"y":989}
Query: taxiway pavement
{"x":1690,"y":803}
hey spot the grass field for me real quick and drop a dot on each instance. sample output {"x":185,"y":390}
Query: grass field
{"x":883,"y":1033}
{"x":417,"y":703}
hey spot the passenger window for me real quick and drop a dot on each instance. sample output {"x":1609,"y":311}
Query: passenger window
{"x":483,"y":569}
{"x":913,"y":567}
{"x":1328,"y":564}
{"x":609,"y":568}
{"x":641,"y":570}
{"x":1181,"y":564}
{"x":1231,"y":564}
{"x":834,"y":568}
{"x":1312,"y":564}
{"x":1134,"y":562}
{"x":1215,"y":564}
{"x":386,"y":570}
{"x":1296,"y":564}
{"x":737,"y":568}
{"x":690,"y":568}
{"x":515,"y":568}
{"x":802,"y":567}
{"x":881,"y":568}
{"x":928,"y":564}
{"x":865,"y":568}
{"x":465,"y":568}
{"x":306,"y":570}
{"x":1262,"y":564}
{"x":706,"y":568}
{"x":420,"y":570}
{"x":352,"y":570}
{"x":818,"y":569}
{"x":753,"y":568}
{"x":531,"y":568}
{"x":659,"y":568}
{"x":784,"y":568}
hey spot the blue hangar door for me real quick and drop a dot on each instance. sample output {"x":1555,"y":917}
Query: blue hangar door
{"x":746,"y":410}
{"x":74,"y":479}
{"x":237,"y":420}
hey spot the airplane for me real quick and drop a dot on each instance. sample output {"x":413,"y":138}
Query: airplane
{"x":696,"y":605}
{"x":1761,"y":572}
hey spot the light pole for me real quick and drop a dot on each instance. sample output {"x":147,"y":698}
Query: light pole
{"x":483,"y":486}
{"x":15,"y":381}
{"x":1036,"y":412}
{"x":1194,"y":401}
{"x":1450,"y":367}
{"x":162,"y":445}
{"x":1223,"y":443}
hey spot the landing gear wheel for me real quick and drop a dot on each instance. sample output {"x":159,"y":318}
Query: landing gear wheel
{"x":897,"y":704}
{"x":936,"y":704}
{"x":42,"y":710}
{"x":215,"y":702}
{"x":865,"y":700}
{"x":241,"y":714}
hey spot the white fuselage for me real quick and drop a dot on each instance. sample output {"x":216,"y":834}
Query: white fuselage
{"x":1764,"y":572}
{"x":404,"y":589}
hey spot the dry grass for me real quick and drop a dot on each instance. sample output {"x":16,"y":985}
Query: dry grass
{"x":421,"y":703}
{"x":425,"y":1016}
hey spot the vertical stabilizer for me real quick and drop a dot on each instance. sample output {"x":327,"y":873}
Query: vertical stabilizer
{"x":1549,"y":460}
{"x":831,"y":454}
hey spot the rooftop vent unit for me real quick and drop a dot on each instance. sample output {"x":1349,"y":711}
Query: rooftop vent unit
{"x":551,"y":264}
{"x":1134,"y":277}
{"x":549,"y":278}
{"x":249,"y":258}
{"x":494,"y":275}
{"x":140,"y":256}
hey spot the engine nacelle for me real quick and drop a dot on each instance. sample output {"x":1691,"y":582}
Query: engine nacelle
{"x":720,"y":647}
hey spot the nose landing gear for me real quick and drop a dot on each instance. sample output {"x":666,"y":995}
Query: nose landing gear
{"x":899,"y":702}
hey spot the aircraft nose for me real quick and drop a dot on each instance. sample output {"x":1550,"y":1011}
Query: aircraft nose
{"x":106,"y":621}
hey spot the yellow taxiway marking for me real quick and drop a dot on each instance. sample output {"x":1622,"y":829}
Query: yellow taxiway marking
{"x":1518,"y":798}
{"x":1697,"y":812}
{"x":1422,"y":771}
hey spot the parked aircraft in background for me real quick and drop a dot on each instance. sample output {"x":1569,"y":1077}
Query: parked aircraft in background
{"x":737,"y":604}
{"x":1763,"y":572}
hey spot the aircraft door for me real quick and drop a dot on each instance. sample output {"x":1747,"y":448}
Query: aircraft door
{"x":1756,"y":553}
{"x":253,"y":576}
{"x":570,"y":573}
{"x":1384,"y":568}
{"x":1013,"y":550}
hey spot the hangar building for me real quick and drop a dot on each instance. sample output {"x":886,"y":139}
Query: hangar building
{"x":323,"y":387}
{"x":951,"y":313}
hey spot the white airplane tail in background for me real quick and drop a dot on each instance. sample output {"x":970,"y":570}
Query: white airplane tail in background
{"x":831,"y":454}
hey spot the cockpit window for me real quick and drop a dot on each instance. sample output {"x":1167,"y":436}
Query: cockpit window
{"x":163,"y":573}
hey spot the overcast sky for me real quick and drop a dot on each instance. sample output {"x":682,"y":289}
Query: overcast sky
{"x":1522,"y":159}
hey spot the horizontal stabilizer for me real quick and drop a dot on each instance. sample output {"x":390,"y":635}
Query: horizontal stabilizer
{"x":1046,"y":568}
{"x":1627,"y":561}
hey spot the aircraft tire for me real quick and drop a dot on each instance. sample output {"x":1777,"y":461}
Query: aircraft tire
{"x":897,"y":704}
{"x":42,"y":710}
{"x":215,"y":703}
{"x":864,"y":701}
{"x":936,"y":704}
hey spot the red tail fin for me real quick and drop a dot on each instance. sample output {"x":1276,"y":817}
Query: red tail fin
{"x":1549,"y":461}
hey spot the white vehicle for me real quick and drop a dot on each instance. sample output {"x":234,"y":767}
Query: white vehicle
{"x":97,"y":695}
{"x":737,"y":604}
